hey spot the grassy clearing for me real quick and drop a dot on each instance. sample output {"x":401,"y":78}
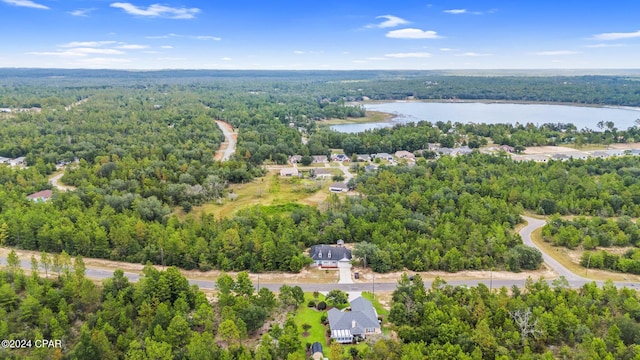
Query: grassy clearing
{"x":311,"y":316}
{"x":268,"y":190}
{"x":381,"y":310}
{"x":569,"y":259}
{"x":372,"y":116}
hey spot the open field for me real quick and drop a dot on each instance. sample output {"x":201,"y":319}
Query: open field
{"x":571,"y":260}
{"x":311,"y":316}
{"x":268,"y":190}
{"x":372,"y":116}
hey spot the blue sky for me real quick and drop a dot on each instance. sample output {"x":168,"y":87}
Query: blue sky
{"x":324,"y":35}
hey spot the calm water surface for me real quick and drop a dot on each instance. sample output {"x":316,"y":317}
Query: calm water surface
{"x":581,"y":117}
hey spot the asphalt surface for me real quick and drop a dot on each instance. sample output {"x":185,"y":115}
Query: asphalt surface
{"x":574,"y":280}
{"x":231,"y":148}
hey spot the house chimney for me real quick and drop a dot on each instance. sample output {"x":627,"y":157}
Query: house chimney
{"x":353,"y":324}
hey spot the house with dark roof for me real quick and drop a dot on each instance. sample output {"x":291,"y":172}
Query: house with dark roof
{"x":360,"y":321}
{"x":40,"y":196}
{"x":327,"y":256}
{"x":340,"y":157}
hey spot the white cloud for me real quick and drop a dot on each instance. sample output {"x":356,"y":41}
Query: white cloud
{"x":391,"y":21}
{"x":166,"y":47}
{"x":168,"y":36}
{"x":473,"y":54}
{"x":25,"y":3}
{"x":358,"y":61}
{"x":448,"y":49}
{"x":206,"y":37}
{"x":409,"y":55}
{"x":298,"y":52}
{"x":57,"y":53}
{"x":617,"y":36}
{"x":411,"y":33}
{"x":103,"y":61}
{"x":133,"y":47}
{"x":556,"y":53}
{"x":82,"y":12}
{"x":595,"y":46}
{"x":376,"y":58}
{"x":465,"y":11}
{"x":157,"y":10}
{"x":75,"y":44}
{"x":90,"y":50}
{"x":226,"y":58}
{"x":456,"y":11}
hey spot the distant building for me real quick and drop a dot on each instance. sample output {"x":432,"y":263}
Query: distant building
{"x":294,"y":159}
{"x":316,"y":351}
{"x":319,"y":159}
{"x":289,"y":172}
{"x":40,"y":196}
{"x":17,"y":161}
{"x":363,"y":157}
{"x":327,"y":256}
{"x":338,"y":187}
{"x":383,"y":156}
{"x":323,"y":173}
{"x":340,"y":157}
{"x":4,"y":160}
{"x":403,"y":154}
{"x":5,"y":110}
{"x":362,"y":320}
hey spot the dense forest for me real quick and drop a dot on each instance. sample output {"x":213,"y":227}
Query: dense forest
{"x":141,"y":145}
{"x":163,"y":317}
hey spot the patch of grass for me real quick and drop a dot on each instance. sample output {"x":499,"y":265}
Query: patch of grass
{"x":381,"y":310}
{"x":268,"y":191}
{"x":372,"y":116}
{"x":311,"y":316}
{"x":562,"y":255}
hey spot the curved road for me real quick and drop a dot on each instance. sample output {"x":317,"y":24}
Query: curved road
{"x":229,"y":139}
{"x":574,"y":280}
{"x":55,"y":182}
{"x":525,"y":233}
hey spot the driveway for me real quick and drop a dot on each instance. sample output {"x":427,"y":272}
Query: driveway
{"x":345,"y":273}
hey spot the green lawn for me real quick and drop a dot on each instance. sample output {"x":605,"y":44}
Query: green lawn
{"x":311,"y":316}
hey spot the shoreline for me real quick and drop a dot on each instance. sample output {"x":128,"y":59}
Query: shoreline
{"x":381,"y":117}
{"x":490,"y":101}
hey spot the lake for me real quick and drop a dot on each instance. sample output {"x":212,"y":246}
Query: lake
{"x":496,"y":113}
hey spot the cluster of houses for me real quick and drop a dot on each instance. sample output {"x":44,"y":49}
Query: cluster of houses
{"x":568,"y":154}
{"x":19,"y":161}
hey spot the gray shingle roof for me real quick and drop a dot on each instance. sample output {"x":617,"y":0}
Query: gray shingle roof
{"x":336,"y":252}
{"x":362,"y":312}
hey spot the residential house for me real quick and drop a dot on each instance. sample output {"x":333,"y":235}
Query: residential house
{"x":17,"y":161}
{"x":327,"y":256}
{"x":383,"y":156}
{"x":347,"y":326}
{"x":294,"y":159}
{"x":289,"y":172}
{"x":403,"y":154}
{"x":561,"y":157}
{"x":4,"y":160}
{"x":319,"y":159}
{"x":338,"y":187}
{"x":363,"y":157}
{"x":340,"y":157}
{"x":5,"y":110}
{"x":322,"y":173}
{"x":40,"y":196}
{"x":370,"y":168}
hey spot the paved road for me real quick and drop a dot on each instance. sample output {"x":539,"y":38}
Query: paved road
{"x":574,"y":280}
{"x":525,"y":233}
{"x":55,"y":182}
{"x":345,"y":169}
{"x":228,"y":135}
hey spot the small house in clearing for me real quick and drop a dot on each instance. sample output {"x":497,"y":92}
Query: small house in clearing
{"x":338,"y":187}
{"x":327,"y":256}
{"x":362,"y":320}
{"x":40,"y":196}
{"x":289,"y":172}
